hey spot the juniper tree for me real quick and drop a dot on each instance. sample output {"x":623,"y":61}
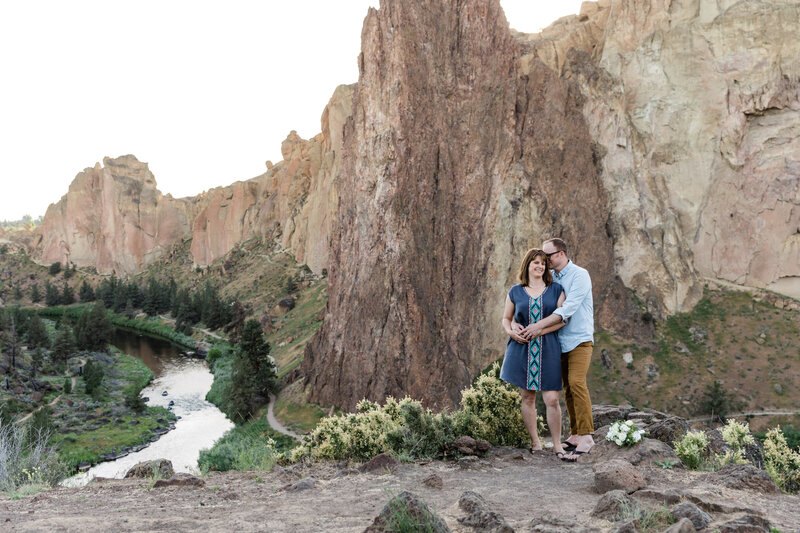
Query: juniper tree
{"x":67,"y":295}
{"x":51,"y":295}
{"x":36,"y":296}
{"x":37,"y":333}
{"x":86,"y":293}
{"x":93,"y":329}
{"x":64,"y":343}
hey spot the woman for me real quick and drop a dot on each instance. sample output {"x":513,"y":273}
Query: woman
{"x":535,"y":365}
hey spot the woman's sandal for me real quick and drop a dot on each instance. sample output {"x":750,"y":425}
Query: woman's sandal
{"x":561,"y":455}
{"x":572,"y":456}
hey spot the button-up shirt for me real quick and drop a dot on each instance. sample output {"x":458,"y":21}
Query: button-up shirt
{"x":578,"y":308}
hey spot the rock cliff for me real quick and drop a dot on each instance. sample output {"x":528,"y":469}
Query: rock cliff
{"x":659,"y":138}
{"x":114,"y":219}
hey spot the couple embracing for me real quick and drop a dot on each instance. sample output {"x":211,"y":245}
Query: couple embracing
{"x":549,"y":319}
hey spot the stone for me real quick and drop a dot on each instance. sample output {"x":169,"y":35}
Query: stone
{"x":156,"y":467}
{"x":747,"y":523}
{"x":304,"y":484}
{"x":550,"y":523}
{"x":470,"y":462}
{"x":433,"y":481}
{"x":180,"y":479}
{"x":37,"y":396}
{"x":665,"y":496}
{"x":627,"y":358}
{"x":617,"y":474}
{"x":684,"y":525}
{"x":744,"y":477}
{"x":466,"y":445}
{"x":611,"y":504}
{"x":697,"y":516}
{"x":408,"y":504}
{"x":480,"y":518}
{"x":668,"y":430}
{"x":380,"y":463}
{"x":627,"y":526}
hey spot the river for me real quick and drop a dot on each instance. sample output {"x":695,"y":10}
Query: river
{"x":186,"y":381}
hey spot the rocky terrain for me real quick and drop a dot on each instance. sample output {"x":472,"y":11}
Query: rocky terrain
{"x":642,"y":488}
{"x":659,"y":138}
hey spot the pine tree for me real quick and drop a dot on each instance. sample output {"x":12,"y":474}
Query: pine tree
{"x":37,"y":359}
{"x":86,"y":293}
{"x":253,"y":374}
{"x":93,"y":378}
{"x":51,"y":295}
{"x":36,"y":296}
{"x":37,"y":333}
{"x":64,"y":343}
{"x":17,"y":292}
{"x":94,"y":329}
{"x":67,"y":295}
{"x":55,"y":268}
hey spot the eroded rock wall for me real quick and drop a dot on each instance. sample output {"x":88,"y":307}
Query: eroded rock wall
{"x":456,"y":161}
{"x":113,"y":218}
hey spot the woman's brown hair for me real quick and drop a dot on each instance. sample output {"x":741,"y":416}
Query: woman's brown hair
{"x":532,"y":254}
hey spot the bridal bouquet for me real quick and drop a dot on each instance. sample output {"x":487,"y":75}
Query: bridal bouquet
{"x":624,"y":433}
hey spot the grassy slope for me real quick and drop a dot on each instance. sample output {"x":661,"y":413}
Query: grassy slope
{"x":751,"y":347}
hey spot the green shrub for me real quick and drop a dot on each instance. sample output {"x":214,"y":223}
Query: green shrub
{"x":691,"y":449}
{"x":490,"y":410}
{"x":239,"y":452}
{"x":781,"y":462}
{"x":26,"y":458}
{"x":67,"y":385}
{"x":496,"y":408}
{"x":212,"y":355}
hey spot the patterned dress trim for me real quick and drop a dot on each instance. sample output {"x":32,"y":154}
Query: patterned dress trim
{"x":534,"y":380}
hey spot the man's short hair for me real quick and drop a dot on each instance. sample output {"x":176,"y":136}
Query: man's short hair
{"x":560,"y":245}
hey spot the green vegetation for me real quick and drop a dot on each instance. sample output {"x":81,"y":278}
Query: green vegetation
{"x":691,"y":449}
{"x":781,"y":462}
{"x":489,"y":410}
{"x":254,"y":446}
{"x":402,"y":517}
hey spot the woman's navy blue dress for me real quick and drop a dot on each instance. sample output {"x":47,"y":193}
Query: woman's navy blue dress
{"x":537,"y":364}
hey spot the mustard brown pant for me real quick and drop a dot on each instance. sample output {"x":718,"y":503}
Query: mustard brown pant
{"x":574,"y":367}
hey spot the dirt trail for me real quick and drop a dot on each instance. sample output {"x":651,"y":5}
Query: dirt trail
{"x":277,"y":426}
{"x":788,"y":412}
{"x":521,"y":487}
{"x":54,"y":401}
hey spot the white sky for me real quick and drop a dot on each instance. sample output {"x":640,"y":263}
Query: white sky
{"x":202,"y":91}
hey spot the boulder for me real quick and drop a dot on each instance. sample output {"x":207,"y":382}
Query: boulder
{"x":617,"y":474}
{"x":611,"y":505}
{"x":180,"y":479}
{"x":743,"y":476}
{"x":747,"y":523}
{"x":479,"y":517}
{"x":699,"y":518}
{"x":304,"y":484}
{"x":156,"y":467}
{"x":412,"y":509}
{"x":380,"y":463}
{"x":466,"y":445}
{"x":684,"y":525}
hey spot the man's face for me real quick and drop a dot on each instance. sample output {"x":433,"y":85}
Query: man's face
{"x":557,"y":259}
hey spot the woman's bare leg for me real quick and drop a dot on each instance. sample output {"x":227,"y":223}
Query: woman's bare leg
{"x":529,"y":416}
{"x":550,"y":398}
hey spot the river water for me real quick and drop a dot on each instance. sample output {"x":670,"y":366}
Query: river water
{"x":186,"y":381}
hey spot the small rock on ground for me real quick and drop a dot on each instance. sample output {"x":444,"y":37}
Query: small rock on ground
{"x":617,"y":474}
{"x":480,"y":518}
{"x":180,"y":480}
{"x":381,"y":462}
{"x":611,"y":505}
{"x":410,"y":509}
{"x":698,"y":517}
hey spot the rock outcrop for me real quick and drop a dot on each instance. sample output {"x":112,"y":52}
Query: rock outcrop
{"x":113,"y":218}
{"x":658,"y":138}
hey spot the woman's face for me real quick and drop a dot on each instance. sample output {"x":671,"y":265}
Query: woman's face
{"x":536,"y":268}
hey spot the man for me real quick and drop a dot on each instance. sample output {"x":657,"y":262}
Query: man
{"x":576,"y":339}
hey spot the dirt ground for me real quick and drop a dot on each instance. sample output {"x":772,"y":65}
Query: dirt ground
{"x":520,"y":486}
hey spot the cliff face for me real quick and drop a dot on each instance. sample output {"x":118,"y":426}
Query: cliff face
{"x":659,"y":138}
{"x":456,"y":161}
{"x":113,"y":218}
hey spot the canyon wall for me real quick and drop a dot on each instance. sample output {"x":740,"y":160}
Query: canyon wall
{"x":114,"y":219}
{"x":659,"y":138}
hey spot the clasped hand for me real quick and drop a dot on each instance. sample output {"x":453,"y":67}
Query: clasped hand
{"x":526,"y":334}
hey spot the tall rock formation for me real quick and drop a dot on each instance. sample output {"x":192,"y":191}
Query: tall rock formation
{"x":115,"y":219}
{"x":112,"y":218}
{"x":658,"y":137}
{"x":456,"y":161}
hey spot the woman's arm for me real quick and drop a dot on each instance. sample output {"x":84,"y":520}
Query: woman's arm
{"x":508,"y":317}
{"x":559,"y":325}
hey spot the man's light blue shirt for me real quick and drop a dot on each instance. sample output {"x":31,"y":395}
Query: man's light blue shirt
{"x":578,"y":307}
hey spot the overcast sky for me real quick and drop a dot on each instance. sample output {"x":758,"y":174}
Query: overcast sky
{"x":202,"y":91}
